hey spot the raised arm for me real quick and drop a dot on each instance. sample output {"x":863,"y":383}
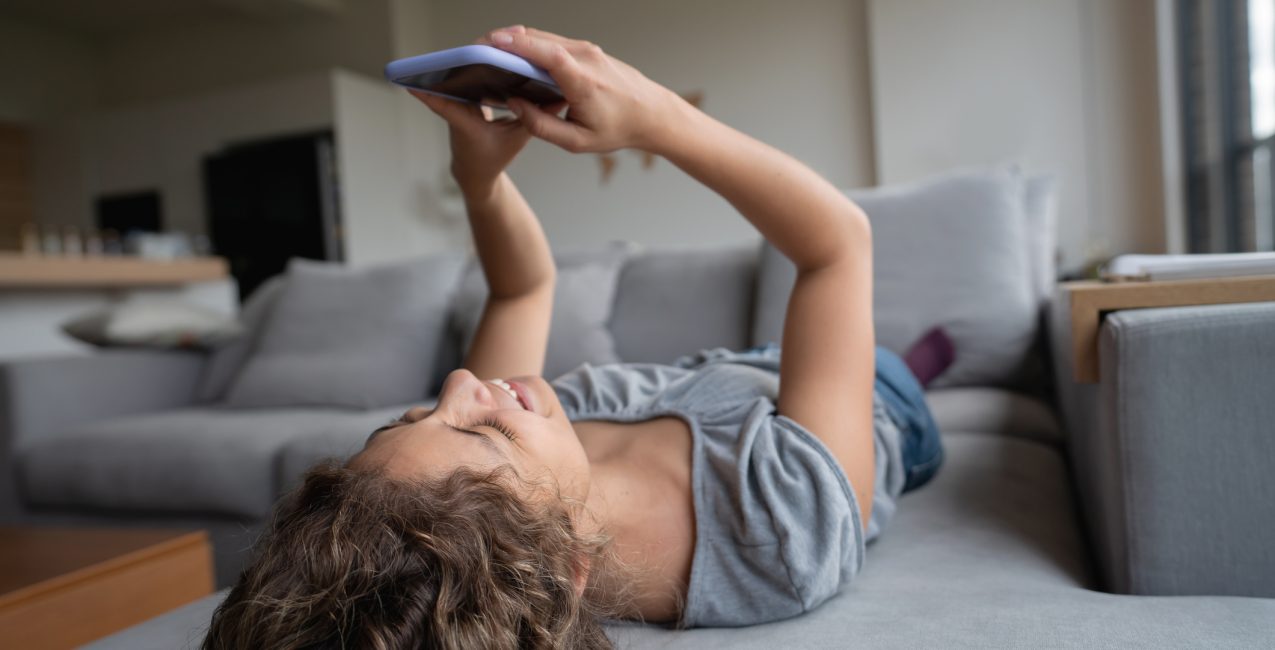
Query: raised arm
{"x":826,"y":374}
{"x":514,"y":329}
{"x":827,"y":368}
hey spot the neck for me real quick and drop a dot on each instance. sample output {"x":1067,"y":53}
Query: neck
{"x":599,"y":515}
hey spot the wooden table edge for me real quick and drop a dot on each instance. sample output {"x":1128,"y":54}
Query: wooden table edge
{"x":30,"y":592}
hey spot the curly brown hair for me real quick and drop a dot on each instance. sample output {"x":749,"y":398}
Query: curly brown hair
{"x":356,"y":559}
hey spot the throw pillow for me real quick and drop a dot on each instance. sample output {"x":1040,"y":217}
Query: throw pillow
{"x":947,"y":251}
{"x":153,"y":323}
{"x":1041,"y":210}
{"x":227,"y":359}
{"x":357,"y":338}
{"x":931,"y":356}
{"x":582,"y":301}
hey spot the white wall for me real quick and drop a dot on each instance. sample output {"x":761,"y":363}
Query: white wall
{"x":161,"y":145}
{"x":792,"y":74}
{"x":210,"y":54}
{"x":385,"y":205}
{"x":1064,"y":86}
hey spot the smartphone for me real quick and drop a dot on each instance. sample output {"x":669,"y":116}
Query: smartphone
{"x":478,"y":74}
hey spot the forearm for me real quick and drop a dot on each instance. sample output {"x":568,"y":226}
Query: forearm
{"x":511,"y":245}
{"x":798,"y":211}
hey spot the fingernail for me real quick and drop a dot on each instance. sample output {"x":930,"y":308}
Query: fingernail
{"x":501,"y":38}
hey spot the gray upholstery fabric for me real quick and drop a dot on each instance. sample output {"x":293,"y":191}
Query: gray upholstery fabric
{"x":40,"y":398}
{"x":950,"y":251}
{"x":213,"y":460}
{"x":986,"y":555}
{"x":226,"y":360}
{"x":359,"y":338}
{"x":582,"y":300}
{"x":675,"y":302}
{"x":1182,"y":493}
{"x":993,"y":410}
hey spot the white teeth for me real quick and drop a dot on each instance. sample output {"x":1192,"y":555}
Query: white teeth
{"x":504,"y":385}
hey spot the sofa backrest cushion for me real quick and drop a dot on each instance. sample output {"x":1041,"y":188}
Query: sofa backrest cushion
{"x":225,"y":361}
{"x":350,"y":337}
{"x":950,"y":250}
{"x":675,"y":302}
{"x":582,"y":301}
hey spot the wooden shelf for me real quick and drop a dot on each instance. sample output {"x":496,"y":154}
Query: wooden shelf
{"x":19,"y":271}
{"x":1091,"y":300}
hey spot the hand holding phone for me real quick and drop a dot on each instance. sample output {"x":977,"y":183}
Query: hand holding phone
{"x":611,"y":104}
{"x":476,"y":74}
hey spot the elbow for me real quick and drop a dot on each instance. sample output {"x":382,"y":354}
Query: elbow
{"x":847,"y":241}
{"x":860,"y":228}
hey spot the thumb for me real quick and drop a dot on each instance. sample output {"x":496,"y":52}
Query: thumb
{"x":548,"y":126}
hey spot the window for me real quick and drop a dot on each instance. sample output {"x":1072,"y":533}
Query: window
{"x":1226,"y":69}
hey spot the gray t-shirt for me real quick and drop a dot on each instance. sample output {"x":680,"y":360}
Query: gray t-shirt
{"x":778,"y":529}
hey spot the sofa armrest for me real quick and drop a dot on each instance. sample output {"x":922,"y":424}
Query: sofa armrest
{"x":40,"y":397}
{"x":1172,"y":451}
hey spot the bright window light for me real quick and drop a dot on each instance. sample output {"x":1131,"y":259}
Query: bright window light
{"x":1261,"y":41}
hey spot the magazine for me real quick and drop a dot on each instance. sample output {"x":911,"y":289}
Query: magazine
{"x":1188,"y":267}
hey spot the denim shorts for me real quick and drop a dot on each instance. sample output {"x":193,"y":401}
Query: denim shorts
{"x":905,"y":401}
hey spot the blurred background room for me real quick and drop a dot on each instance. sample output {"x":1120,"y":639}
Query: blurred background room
{"x":255,"y":131}
{"x":262,"y":130}
{"x":229,"y":249}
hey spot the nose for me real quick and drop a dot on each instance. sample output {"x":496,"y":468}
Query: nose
{"x":463,"y":391}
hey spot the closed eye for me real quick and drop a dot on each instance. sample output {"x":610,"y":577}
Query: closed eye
{"x":498,"y":426}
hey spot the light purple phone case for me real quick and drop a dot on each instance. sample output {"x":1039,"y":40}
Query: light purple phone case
{"x":399,"y":70}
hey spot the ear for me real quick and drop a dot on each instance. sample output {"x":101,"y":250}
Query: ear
{"x":582,"y":575}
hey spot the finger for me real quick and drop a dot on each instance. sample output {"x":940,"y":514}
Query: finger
{"x":554,"y":108}
{"x":485,"y":39}
{"x":456,"y":113}
{"x":574,"y":46}
{"x":549,"y":127}
{"x":550,"y":55}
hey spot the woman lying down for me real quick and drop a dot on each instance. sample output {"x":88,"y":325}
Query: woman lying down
{"x":728,"y":489}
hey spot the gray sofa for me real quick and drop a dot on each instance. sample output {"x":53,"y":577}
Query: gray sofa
{"x":1134,"y":512}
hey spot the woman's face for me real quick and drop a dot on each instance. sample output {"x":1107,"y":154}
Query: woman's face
{"x":517,"y":422}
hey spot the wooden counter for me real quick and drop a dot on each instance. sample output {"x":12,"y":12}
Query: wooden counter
{"x":19,"y":271}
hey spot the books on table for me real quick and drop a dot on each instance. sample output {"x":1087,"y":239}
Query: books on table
{"x":1188,"y":267}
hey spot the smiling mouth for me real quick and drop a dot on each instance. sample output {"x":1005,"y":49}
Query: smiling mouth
{"x":509,"y":390}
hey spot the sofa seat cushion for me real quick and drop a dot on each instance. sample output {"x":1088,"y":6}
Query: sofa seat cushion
{"x":988,"y":554}
{"x":994,"y":410}
{"x":212,"y":460}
